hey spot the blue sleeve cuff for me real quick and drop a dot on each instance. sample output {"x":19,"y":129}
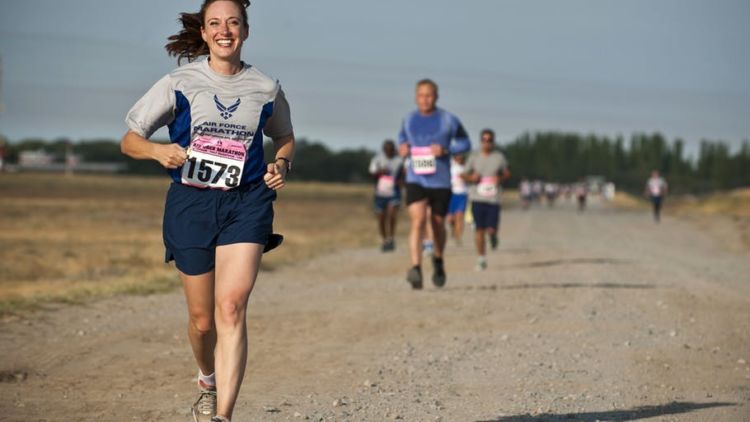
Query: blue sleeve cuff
{"x":459,"y":146}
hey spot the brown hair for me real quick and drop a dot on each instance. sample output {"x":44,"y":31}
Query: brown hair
{"x":430,"y":82}
{"x":488,"y":132}
{"x":188,"y":43}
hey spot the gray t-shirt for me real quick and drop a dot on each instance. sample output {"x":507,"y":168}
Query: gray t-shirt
{"x":380,"y":162}
{"x":194,"y":101}
{"x":387,"y":184}
{"x":489,"y":167}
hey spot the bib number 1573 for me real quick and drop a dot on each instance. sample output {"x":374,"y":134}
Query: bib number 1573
{"x":214,"y":163}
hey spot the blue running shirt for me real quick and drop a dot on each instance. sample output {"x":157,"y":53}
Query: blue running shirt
{"x":442,"y":128}
{"x":194,"y":101}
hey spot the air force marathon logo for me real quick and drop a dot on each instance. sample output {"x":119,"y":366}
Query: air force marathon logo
{"x":224,"y":111}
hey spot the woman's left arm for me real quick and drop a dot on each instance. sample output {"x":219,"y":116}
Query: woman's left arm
{"x":276,"y":172}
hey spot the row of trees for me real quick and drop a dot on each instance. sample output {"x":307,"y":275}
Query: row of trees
{"x":555,"y":156}
{"x":566,"y":157}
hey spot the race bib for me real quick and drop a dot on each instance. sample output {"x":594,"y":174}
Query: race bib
{"x":386,"y":186}
{"x":655,"y":188}
{"x":487,"y":187}
{"x":214,"y":163}
{"x":423,"y":161}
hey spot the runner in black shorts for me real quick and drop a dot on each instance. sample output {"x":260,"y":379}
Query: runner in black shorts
{"x":656,"y":189}
{"x":218,"y":215}
{"x":428,"y":136}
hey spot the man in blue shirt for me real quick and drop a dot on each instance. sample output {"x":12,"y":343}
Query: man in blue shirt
{"x":429,"y":135}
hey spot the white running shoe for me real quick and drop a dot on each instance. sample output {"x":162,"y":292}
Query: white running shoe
{"x":481,"y":264}
{"x":204,"y":409}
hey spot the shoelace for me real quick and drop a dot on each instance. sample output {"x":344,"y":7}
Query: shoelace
{"x":206,"y":402}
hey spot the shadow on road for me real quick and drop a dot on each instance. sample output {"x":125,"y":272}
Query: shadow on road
{"x":614,"y":415}
{"x":556,"y":262}
{"x":493,"y":287}
{"x":577,"y":285}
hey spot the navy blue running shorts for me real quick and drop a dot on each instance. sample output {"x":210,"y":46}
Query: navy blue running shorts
{"x":383,"y":202}
{"x":486,"y":216}
{"x":196,"y":221}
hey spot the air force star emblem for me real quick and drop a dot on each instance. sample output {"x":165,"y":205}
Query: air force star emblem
{"x":226,"y":112}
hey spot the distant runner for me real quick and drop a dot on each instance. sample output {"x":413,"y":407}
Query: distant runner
{"x":551,"y":190}
{"x":486,"y":170}
{"x":387,"y":170}
{"x":459,"y":198}
{"x":656,"y":189}
{"x":526,"y":193}
{"x":428,"y":136}
{"x":581,"y":192}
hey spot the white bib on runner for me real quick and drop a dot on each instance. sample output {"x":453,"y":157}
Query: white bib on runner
{"x":487,"y":187}
{"x":654,"y":186}
{"x":386,"y":186}
{"x":214,"y":163}
{"x":423,"y":160}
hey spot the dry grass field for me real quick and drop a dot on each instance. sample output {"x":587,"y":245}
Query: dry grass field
{"x":67,"y":239}
{"x":72,"y":238}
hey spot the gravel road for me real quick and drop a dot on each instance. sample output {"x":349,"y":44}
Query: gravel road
{"x":580,"y":317}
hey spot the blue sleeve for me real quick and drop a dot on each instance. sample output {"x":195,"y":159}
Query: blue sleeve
{"x":461,"y":142}
{"x":402,"y":138}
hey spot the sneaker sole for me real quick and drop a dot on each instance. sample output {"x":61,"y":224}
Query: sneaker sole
{"x":438,"y":280}
{"x":416,"y":282}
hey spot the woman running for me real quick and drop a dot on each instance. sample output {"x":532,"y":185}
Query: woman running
{"x":218,"y":215}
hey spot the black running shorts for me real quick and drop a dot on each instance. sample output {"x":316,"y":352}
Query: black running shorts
{"x":437,"y":198}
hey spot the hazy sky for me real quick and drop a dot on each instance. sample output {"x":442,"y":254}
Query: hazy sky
{"x":73,"y":68}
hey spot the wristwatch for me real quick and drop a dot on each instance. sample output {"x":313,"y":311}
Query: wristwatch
{"x":287,"y":161}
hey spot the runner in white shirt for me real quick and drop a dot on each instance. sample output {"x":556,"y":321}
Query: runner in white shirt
{"x":656,"y":189}
{"x":387,"y":169}
{"x":459,"y":198}
{"x":526,"y":193}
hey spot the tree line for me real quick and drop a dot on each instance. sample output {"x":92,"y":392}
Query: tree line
{"x":566,"y":157}
{"x":554,"y":156}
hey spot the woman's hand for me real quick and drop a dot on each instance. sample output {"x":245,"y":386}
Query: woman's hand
{"x":170,"y":156}
{"x":275,"y":176}
{"x":136,"y":146}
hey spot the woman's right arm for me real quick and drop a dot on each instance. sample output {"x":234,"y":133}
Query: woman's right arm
{"x":170,"y":156}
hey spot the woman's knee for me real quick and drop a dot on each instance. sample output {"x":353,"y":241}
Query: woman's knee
{"x":202,"y":322}
{"x":230,"y":311}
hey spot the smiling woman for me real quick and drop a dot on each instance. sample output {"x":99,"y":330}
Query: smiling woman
{"x":218,"y":218}
{"x":193,"y":42}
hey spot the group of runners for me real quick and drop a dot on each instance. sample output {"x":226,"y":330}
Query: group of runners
{"x":550,"y":192}
{"x":218,"y":218}
{"x":441,"y":176}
